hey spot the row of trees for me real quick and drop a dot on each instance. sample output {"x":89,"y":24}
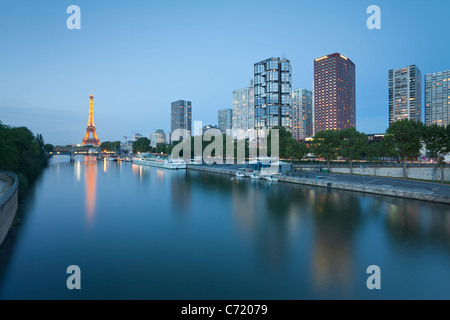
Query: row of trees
{"x":22,"y":152}
{"x":289,"y":147}
{"x":110,"y":146}
{"x":404,"y":139}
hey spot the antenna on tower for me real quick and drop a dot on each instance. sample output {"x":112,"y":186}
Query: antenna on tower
{"x":283,"y":55}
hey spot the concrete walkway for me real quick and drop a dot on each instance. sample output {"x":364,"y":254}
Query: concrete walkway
{"x":375,"y":185}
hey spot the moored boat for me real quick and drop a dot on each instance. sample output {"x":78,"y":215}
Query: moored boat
{"x":160,"y":162}
{"x":271,"y":179}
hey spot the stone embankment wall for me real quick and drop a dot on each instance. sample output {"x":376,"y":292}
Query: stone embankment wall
{"x":9,"y":189}
{"x":420,"y":173}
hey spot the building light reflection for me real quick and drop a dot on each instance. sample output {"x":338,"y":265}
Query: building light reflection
{"x":90,"y":178}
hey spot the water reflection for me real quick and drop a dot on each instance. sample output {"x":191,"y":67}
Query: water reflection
{"x":409,"y":223}
{"x":336,"y":217}
{"x":180,"y":186}
{"x":77,"y":168}
{"x":90,"y":178}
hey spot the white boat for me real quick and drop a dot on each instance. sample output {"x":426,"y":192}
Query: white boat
{"x":271,"y":179}
{"x":240,"y":175}
{"x":156,"y":161}
{"x":254,"y":176}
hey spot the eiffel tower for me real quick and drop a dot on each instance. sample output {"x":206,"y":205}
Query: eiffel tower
{"x":91,"y":127}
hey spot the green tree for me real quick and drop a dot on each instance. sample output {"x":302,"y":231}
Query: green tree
{"x":49,"y":147}
{"x":40,"y":141}
{"x":161,"y":147}
{"x":436,"y":140}
{"x":22,"y":152}
{"x":289,"y":147}
{"x":110,"y":146}
{"x":353,"y":145}
{"x":142,"y":145}
{"x":325,"y":145}
{"x":406,"y":136}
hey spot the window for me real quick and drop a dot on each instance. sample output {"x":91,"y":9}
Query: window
{"x":272,"y":98}
{"x":285,"y":99}
{"x":286,"y":88}
{"x":272,"y":76}
{"x":285,"y":77}
{"x":285,"y":66}
{"x":272,"y":65}
{"x":272,"y":87}
{"x":272,"y":110}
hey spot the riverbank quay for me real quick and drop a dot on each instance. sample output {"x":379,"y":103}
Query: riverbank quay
{"x":393,"y":187}
{"x":9,"y":186}
{"x":429,"y":172}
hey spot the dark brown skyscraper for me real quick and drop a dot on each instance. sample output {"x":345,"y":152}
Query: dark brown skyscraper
{"x":334,"y":93}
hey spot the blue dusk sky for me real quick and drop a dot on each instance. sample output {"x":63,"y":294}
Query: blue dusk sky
{"x":139,"y":56}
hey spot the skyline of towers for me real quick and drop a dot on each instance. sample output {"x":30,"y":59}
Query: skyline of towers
{"x":181,"y":116}
{"x":405,"y":94}
{"x":272,"y":90}
{"x":334,"y":93}
{"x":302,"y":114}
{"x":331,"y":105}
{"x":437,"y":98}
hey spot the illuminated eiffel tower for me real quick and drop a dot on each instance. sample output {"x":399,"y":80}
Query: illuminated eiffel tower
{"x":91,"y":127}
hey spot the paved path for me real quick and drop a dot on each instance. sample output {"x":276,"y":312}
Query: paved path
{"x":380,"y":185}
{"x":441,"y":189}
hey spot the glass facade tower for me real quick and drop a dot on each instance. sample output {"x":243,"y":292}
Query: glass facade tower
{"x":225,"y":120}
{"x":272,"y":83}
{"x":302,"y":114}
{"x":181,"y":116}
{"x":437,"y":98}
{"x":405,"y":95}
{"x":243,"y":109}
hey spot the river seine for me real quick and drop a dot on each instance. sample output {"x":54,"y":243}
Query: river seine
{"x":147,"y":233}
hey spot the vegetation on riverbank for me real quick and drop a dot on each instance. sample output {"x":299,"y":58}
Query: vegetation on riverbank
{"x":22,"y":153}
{"x":404,"y":139}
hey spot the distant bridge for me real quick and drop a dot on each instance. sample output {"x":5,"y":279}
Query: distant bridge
{"x":75,"y":151}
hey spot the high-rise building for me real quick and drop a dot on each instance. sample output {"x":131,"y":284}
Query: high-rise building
{"x":334,"y":93}
{"x":225,"y":120}
{"x":302,"y":114}
{"x":405,"y":94}
{"x":158,"y":136}
{"x":244,"y":109}
{"x":181,"y":116}
{"x":437,"y":98}
{"x":272,"y":93}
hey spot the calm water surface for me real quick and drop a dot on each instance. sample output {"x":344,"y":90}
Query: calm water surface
{"x":148,"y":233}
